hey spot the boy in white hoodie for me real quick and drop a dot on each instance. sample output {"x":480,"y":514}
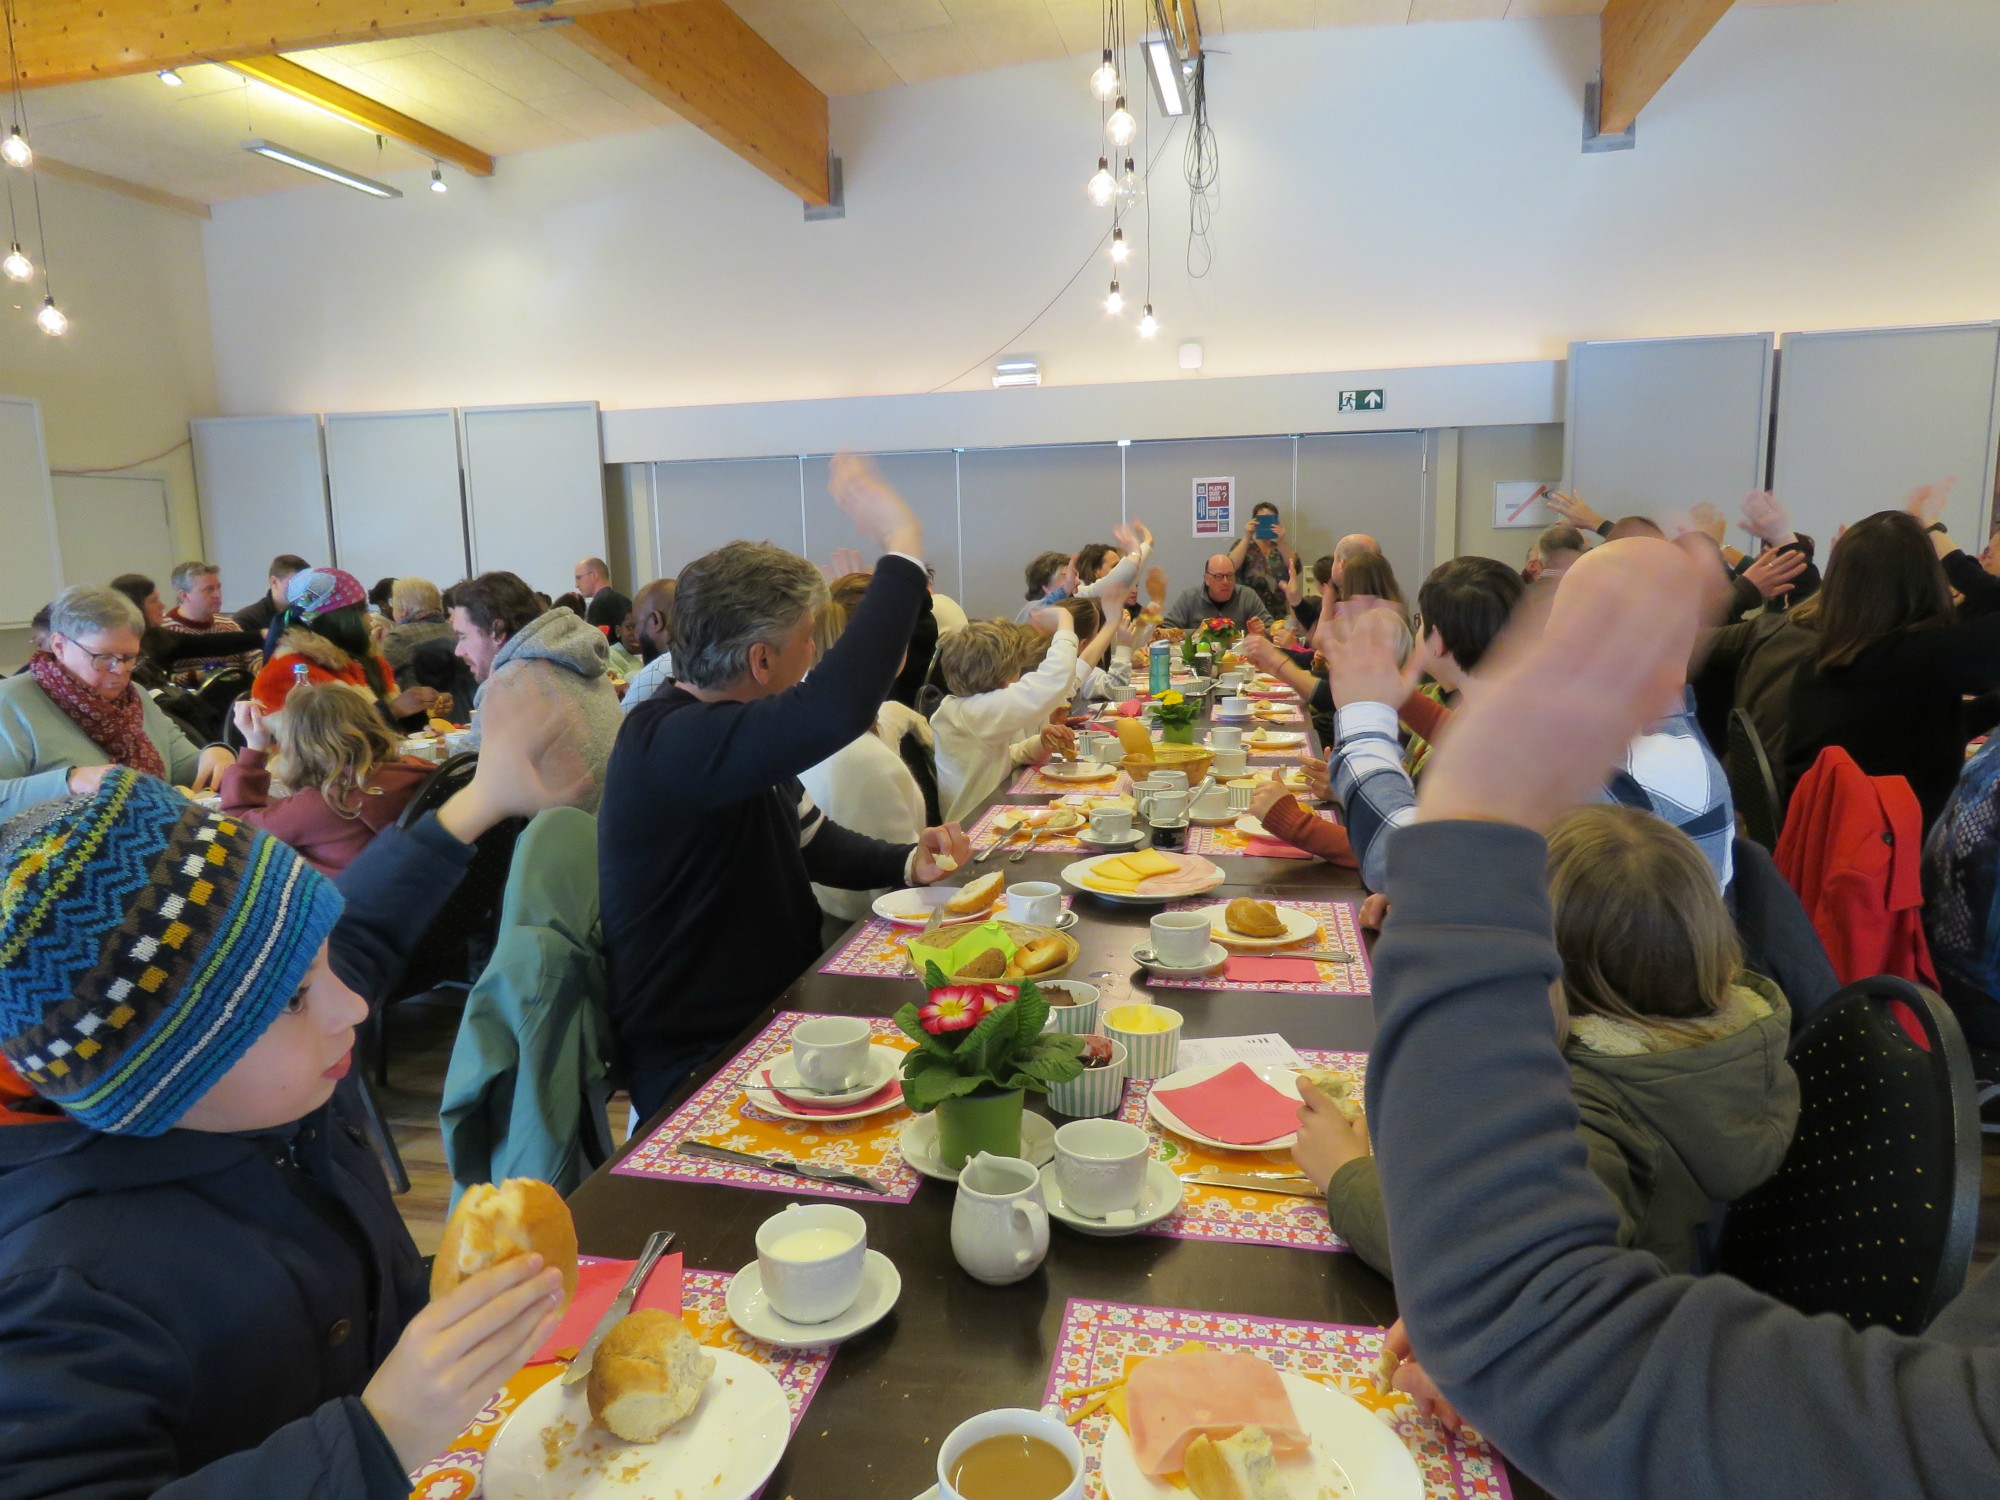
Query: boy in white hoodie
{"x":995,"y":718}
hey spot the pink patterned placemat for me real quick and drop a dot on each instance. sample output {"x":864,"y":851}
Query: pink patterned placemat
{"x":1240,"y":1216}
{"x":1032,"y":783}
{"x":1232,"y":843}
{"x":1340,"y":927}
{"x":720,"y":1114}
{"x":876,"y":949}
{"x":996,"y":823}
{"x":1100,"y":1341}
{"x":456,"y":1475}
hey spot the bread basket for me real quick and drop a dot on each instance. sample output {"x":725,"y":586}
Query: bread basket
{"x":1193,"y":759}
{"x":1020,"y":932}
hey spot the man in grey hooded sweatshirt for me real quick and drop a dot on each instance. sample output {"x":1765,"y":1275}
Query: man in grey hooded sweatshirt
{"x":502,"y":629}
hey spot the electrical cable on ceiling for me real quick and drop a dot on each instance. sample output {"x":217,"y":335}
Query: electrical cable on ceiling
{"x":120,"y":468}
{"x":1203,"y":168}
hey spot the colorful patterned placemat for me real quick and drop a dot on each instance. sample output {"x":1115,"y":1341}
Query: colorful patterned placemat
{"x":1231,"y":842}
{"x":996,"y":823}
{"x":875,"y":951}
{"x":1101,"y":1341}
{"x":1240,"y":1216}
{"x":721,"y":1114}
{"x":455,"y":1475}
{"x":1340,"y":927}
{"x":1032,"y":783}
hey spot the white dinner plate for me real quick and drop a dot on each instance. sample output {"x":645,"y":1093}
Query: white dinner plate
{"x":1353,"y":1456}
{"x":916,"y":906}
{"x":1274,"y":739}
{"x":918,"y":1143}
{"x":722,"y":1450}
{"x":1073,"y":874}
{"x":883,"y":1064}
{"x":1078,"y":770}
{"x":1299,"y":928}
{"x":750,"y":1309}
{"x":1057,"y":818}
{"x":1250,"y":825}
{"x":1284,"y":1080}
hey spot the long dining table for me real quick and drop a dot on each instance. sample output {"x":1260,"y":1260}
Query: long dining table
{"x":953,"y":1346}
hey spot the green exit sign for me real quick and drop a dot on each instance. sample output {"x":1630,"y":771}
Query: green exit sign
{"x":1361,"y":401}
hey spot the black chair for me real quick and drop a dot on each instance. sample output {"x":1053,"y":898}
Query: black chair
{"x":1871,"y":1215}
{"x":1751,"y":782}
{"x":224,"y":686}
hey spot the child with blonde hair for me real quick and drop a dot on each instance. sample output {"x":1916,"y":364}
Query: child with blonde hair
{"x":1676,"y":1052}
{"x":995,"y":717}
{"x":344,"y":764}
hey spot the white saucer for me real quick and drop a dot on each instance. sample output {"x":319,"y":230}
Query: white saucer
{"x":751,"y":1311}
{"x":1160,"y":1197}
{"x":1222,"y":819}
{"x":1078,"y":770}
{"x":883,"y":1064}
{"x":1214,"y":959}
{"x":918,"y":1143}
{"x":1248,"y":824}
{"x":1131,"y":840}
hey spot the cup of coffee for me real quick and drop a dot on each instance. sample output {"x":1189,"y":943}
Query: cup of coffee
{"x":1232,"y":681}
{"x":1173,"y":781}
{"x":1034,"y":902}
{"x":1230,"y":760}
{"x":1011,"y":1454}
{"x":1212,"y":804}
{"x":1151,"y":1036}
{"x":811,"y":1259}
{"x":831,"y":1052}
{"x":1225,"y":737}
{"x":1171,"y":836}
{"x":1072,"y":1006}
{"x":1110,"y":823}
{"x":1234,"y":707}
{"x":1101,"y":1166}
{"x":1181,"y":938}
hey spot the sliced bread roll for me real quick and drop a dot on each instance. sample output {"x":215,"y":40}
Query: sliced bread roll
{"x":976,"y":895}
{"x":492,"y":1225}
{"x":648,"y":1375}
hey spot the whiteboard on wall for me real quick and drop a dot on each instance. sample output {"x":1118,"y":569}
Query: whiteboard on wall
{"x":534,"y":489}
{"x":393,"y":486}
{"x":1866,"y":416}
{"x":107,"y":524}
{"x":263,"y":491}
{"x":30,"y":565}
{"x":1655,"y":426}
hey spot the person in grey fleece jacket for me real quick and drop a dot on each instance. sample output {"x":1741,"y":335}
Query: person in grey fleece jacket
{"x":1591,"y":1367}
{"x":564,"y":652}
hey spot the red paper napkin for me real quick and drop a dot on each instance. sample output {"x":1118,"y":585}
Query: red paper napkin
{"x":597,"y":1282}
{"x":1258,"y":968}
{"x":807,"y":1107}
{"x":1235,"y":1106}
{"x":1129,"y":709}
{"x":1269,"y":848}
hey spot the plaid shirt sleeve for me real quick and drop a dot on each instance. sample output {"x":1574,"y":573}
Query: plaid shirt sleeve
{"x":1375,"y":793}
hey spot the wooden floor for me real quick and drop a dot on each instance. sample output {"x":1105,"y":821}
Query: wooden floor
{"x":420,"y":1039}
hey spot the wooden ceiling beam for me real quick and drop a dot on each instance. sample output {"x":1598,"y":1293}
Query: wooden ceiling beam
{"x":73,"y":41}
{"x":335,"y":98}
{"x":702,"y":60}
{"x":1640,"y":44}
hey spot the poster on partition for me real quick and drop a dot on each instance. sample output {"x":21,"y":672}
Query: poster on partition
{"x":1215,"y":507}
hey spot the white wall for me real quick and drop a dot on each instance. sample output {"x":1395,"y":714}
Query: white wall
{"x":1391,"y":197}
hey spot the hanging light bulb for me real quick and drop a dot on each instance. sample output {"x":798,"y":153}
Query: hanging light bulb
{"x":1148,"y":324}
{"x":1128,"y":180}
{"x":17,"y":266}
{"x":15,"y":150}
{"x":437,"y":179}
{"x":1121,"y":127}
{"x":1104,"y":82}
{"x":1102,"y":187}
{"x":52,"y":322}
{"x":1115,"y":302}
{"x":1120,"y":250}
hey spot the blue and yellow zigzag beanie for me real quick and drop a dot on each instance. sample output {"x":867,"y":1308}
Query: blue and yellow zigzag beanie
{"x":145,"y":944}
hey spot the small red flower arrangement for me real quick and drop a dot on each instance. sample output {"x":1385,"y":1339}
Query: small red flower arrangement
{"x":980,"y":1036}
{"x":960,"y":1007}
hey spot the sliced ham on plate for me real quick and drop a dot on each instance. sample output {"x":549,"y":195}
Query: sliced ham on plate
{"x":1175,"y":1398}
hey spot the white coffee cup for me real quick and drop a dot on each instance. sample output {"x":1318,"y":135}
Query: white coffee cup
{"x":1107,"y":823}
{"x":1225,"y":737}
{"x":1095,"y":744}
{"x":1232,"y":681}
{"x":1234,"y":707}
{"x":1101,"y":1166}
{"x":1231,"y":760}
{"x":1173,"y":781}
{"x":1181,"y":938}
{"x":811,"y":1259}
{"x":831,"y":1052}
{"x":1168,"y":807}
{"x":1046,"y":1425}
{"x":1034,"y":902}
{"x":1213,"y":803}
{"x":1239,"y":797}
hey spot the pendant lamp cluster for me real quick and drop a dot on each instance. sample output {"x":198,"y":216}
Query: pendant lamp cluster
{"x":1116,"y":184}
{"x":17,"y":161}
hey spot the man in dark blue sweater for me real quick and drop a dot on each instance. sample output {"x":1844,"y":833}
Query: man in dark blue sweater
{"x":707,"y":844}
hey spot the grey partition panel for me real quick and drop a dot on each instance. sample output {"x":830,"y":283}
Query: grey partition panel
{"x":1367,"y":482}
{"x":1159,"y":490}
{"x":534,"y":489}
{"x":928,"y":481}
{"x":1016,"y":502}
{"x":398,"y":506}
{"x":1655,"y":426}
{"x":697,"y":506}
{"x":30,"y":571}
{"x":114,"y":523}
{"x":263,"y":491}
{"x":1866,"y":416}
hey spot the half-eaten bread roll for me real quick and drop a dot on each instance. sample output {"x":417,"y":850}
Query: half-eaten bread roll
{"x":493,"y":1225}
{"x":976,"y":895}
{"x":648,"y":1375}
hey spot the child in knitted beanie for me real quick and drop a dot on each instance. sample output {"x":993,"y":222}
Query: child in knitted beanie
{"x":205,"y":1288}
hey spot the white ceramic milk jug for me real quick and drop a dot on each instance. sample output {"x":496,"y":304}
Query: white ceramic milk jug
{"x":999,"y":1228}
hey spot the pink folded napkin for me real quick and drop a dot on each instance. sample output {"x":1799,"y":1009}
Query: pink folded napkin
{"x":1260,"y":968}
{"x":1235,"y":1106}
{"x":813,"y":1107}
{"x":1129,"y":709}
{"x":1269,"y":848}
{"x":597,"y":1282}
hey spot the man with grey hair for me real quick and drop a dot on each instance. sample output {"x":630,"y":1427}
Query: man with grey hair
{"x":604,"y":606}
{"x":708,"y":846}
{"x":198,"y":611}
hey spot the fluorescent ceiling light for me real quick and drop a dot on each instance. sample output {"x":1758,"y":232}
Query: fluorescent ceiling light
{"x":320,"y":168}
{"x":1017,"y":372}
{"x":1165,"y":67}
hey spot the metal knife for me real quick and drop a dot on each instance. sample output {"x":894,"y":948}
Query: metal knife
{"x":780,"y":1164}
{"x":1013,"y":832}
{"x":1290,"y":1186}
{"x":656,"y":1246}
{"x":1028,"y":848}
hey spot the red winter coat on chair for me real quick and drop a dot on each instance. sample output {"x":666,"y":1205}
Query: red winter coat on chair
{"x":1853,"y":849}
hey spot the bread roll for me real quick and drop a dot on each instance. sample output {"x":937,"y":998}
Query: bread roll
{"x":1240,"y":1467}
{"x":1254,"y":919}
{"x":1042,"y":955}
{"x":648,"y":1375}
{"x":492,"y":1225}
{"x":1338,"y":1089}
{"x":992,"y":964}
{"x":976,"y":895}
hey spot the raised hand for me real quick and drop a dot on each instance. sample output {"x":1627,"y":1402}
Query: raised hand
{"x":1361,"y":654}
{"x":1707,"y":516}
{"x":528,"y":761}
{"x":1765,"y":517}
{"x":1574,"y":510}
{"x":940,"y":851}
{"x":877,"y":511}
{"x":1926,"y":501}
{"x":208,"y":770}
{"x":1774,"y":572}
{"x":250,"y":723}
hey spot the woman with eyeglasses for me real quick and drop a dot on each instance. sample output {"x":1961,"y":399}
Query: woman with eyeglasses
{"x":74,"y":715}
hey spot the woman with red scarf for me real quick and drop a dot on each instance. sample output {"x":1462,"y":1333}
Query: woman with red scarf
{"x":74,"y":715}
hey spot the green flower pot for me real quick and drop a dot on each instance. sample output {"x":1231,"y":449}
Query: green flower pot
{"x":989,"y":1120}
{"x":1177,"y":734}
